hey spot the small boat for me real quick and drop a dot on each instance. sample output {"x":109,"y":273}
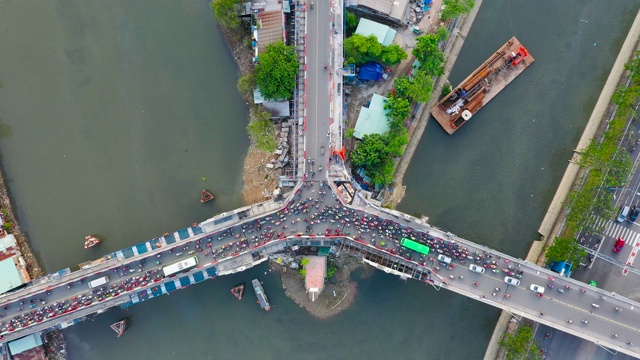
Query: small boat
{"x":260,"y":294}
{"x":90,"y":241}
{"x":206,"y":196}
{"x":237,"y":291}
{"x":120,"y":327}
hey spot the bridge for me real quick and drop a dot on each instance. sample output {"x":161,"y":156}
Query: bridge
{"x":317,"y":213}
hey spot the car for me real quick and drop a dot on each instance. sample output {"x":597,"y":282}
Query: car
{"x":618,"y":245}
{"x":635,"y":211}
{"x":476,"y":268}
{"x":444,"y":259}
{"x":511,"y":281}
{"x":624,"y":212}
{"x":536,"y":288}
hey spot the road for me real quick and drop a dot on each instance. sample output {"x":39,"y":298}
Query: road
{"x":315,"y":211}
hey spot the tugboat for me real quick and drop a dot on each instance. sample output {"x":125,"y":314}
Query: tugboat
{"x":237,"y":291}
{"x":206,"y":196}
{"x":90,"y":241}
{"x":120,"y":327}
{"x":260,"y":294}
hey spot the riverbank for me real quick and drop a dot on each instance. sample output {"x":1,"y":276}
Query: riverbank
{"x":554,"y":218}
{"x":256,"y":179}
{"x":338,"y":294}
{"x":55,"y":346}
{"x":451,"y":51}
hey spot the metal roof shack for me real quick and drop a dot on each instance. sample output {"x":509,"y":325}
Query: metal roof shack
{"x":268,"y":23}
{"x":278,"y":109}
{"x":27,"y":348}
{"x":382,"y":32}
{"x":13,"y":273}
{"x":316,"y":270}
{"x":392,"y":10}
{"x":372,"y":120}
{"x":8,"y":245}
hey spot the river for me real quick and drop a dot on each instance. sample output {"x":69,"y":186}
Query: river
{"x":114,"y":112}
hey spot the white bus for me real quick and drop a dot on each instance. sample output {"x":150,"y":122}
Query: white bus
{"x":180,"y":266}
{"x":98,"y":282}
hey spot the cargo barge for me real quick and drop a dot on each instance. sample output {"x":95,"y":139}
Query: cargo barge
{"x":482,"y":85}
{"x":260,"y":294}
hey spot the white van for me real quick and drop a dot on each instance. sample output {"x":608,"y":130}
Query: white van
{"x":476,"y":268}
{"x":537,"y":288}
{"x":444,"y":259}
{"x":623,"y":214}
{"x":511,"y":281}
{"x":98,"y":282}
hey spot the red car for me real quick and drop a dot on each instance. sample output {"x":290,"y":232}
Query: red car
{"x":618,"y":245}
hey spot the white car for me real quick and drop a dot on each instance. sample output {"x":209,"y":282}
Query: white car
{"x":536,"y":288}
{"x":444,"y":259}
{"x":476,"y":268}
{"x":512,"y":281}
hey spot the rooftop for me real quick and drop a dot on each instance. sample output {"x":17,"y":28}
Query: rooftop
{"x":12,"y":274}
{"x":26,"y":343}
{"x":393,"y":8}
{"x":372,"y":120}
{"x":382,"y":32}
{"x":270,"y":28}
{"x":316,"y":270}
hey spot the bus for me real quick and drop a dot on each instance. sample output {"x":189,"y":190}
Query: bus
{"x":180,"y":266}
{"x":415,"y":246}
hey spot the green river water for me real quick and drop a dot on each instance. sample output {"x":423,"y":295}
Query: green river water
{"x":112,"y":112}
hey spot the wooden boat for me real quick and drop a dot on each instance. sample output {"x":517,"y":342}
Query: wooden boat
{"x":237,"y":291}
{"x":206,"y":196}
{"x":119,"y":327}
{"x":90,"y":241}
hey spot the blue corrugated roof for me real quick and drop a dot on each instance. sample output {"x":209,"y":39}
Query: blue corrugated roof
{"x":23,"y":344}
{"x":9,"y":275}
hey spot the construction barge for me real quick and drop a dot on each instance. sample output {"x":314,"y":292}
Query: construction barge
{"x":482,"y":85}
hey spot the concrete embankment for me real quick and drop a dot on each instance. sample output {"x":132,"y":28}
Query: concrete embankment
{"x":553,"y":220}
{"x":451,"y":51}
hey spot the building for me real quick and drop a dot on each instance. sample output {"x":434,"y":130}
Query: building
{"x":316,"y":270}
{"x":13,"y":269}
{"x":27,"y":348}
{"x":279,"y":109}
{"x":383,"y":33}
{"x":372,"y":118}
{"x":388,"y":11}
{"x":267,"y":23}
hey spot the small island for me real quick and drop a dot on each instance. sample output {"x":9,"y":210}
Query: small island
{"x":319,"y":282}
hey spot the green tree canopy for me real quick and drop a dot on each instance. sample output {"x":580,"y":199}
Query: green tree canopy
{"x":520,"y":345}
{"x":417,"y":88}
{"x":276,"y":71}
{"x":370,"y":153}
{"x":226,"y":12}
{"x":430,"y":56}
{"x":442,"y":33}
{"x":392,"y":54}
{"x":455,"y":8}
{"x":262,"y":131}
{"x":352,"y":21}
{"x":399,"y":108}
{"x":360,"y":49}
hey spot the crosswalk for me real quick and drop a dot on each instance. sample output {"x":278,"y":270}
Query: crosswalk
{"x":618,"y":230}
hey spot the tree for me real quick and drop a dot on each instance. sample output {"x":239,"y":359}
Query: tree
{"x":360,"y":49}
{"x":349,"y":133}
{"x":246,"y":83}
{"x":331,"y":271}
{"x":560,"y":250}
{"x":352,"y":21}
{"x":397,"y":141}
{"x":442,"y":33}
{"x":304,"y":262}
{"x":276,"y":71}
{"x":262,"y":131}
{"x":430,"y":56}
{"x":520,"y":345}
{"x":455,"y":8}
{"x":417,"y":88}
{"x":226,"y":12}
{"x":399,"y":107}
{"x":370,"y":152}
{"x":392,"y":54}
